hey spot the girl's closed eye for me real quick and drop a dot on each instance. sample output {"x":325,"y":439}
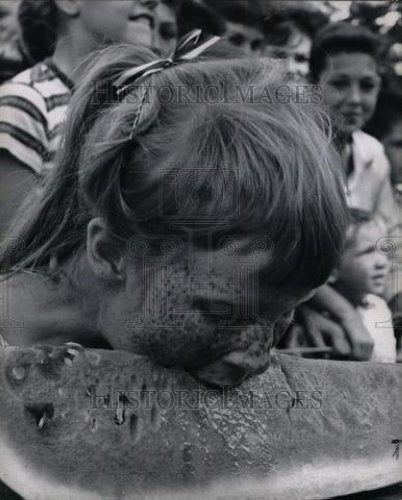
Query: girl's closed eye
{"x":366,"y":251}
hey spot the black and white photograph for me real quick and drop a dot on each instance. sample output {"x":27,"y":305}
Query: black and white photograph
{"x":200,"y":249}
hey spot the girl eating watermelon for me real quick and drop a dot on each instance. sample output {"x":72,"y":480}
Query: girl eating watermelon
{"x":173,"y":227}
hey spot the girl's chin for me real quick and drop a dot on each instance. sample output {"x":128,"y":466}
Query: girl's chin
{"x":378,"y":289}
{"x":348,"y":125}
{"x":349,"y":129}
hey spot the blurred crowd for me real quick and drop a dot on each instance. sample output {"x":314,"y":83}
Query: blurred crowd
{"x":347,"y":61}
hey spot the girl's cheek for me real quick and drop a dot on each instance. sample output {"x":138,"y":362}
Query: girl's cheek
{"x":335,"y":96}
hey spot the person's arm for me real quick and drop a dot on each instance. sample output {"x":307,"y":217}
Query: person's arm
{"x":386,"y":205}
{"x":23,"y":146}
{"x":16,"y":182}
{"x":313,"y":329}
{"x":344,"y":314}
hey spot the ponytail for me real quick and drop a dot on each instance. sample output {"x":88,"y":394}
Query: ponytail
{"x":150,"y":164}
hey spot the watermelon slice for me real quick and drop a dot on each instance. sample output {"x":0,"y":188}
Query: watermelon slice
{"x":91,"y":424}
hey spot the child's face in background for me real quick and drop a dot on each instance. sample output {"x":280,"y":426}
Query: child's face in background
{"x":350,"y":84}
{"x":125,"y":21}
{"x":247,"y":38}
{"x":393,"y":148}
{"x":210,"y":312}
{"x":296,"y":53}
{"x":363,"y":269}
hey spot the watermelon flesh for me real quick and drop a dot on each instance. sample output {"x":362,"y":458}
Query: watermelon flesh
{"x":89,"y":424}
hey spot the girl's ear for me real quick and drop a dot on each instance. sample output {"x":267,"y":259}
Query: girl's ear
{"x":105,"y":257}
{"x":333,"y":277}
{"x":71,"y":8}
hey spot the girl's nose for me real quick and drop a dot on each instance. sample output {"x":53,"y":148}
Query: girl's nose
{"x":355,"y":94}
{"x":381,"y":261}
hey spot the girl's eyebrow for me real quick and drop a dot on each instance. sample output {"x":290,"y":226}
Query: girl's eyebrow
{"x":366,"y":249}
{"x":375,"y":78}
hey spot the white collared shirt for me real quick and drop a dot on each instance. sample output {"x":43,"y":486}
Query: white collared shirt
{"x":369,"y":185}
{"x":377,"y":318}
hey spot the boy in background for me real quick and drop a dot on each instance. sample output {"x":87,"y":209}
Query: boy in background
{"x":289,"y":35}
{"x":361,"y":278}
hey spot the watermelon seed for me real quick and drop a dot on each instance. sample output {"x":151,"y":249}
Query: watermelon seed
{"x":41,"y":412}
{"x":123,"y":400}
{"x":93,"y":425}
{"x":143,"y":393}
{"x":19,"y":372}
{"x":42,"y":422}
{"x":134,"y":427}
{"x":120,"y":416}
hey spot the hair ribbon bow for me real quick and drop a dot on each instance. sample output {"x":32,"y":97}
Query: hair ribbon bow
{"x":191,"y":40}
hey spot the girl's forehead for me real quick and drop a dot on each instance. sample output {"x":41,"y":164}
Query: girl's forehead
{"x":351,"y":63}
{"x":368,"y":233}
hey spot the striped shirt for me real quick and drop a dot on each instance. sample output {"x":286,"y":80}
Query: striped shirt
{"x":33,"y":108}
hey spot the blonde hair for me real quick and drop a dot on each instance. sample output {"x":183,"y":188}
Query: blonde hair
{"x":254,"y":166}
